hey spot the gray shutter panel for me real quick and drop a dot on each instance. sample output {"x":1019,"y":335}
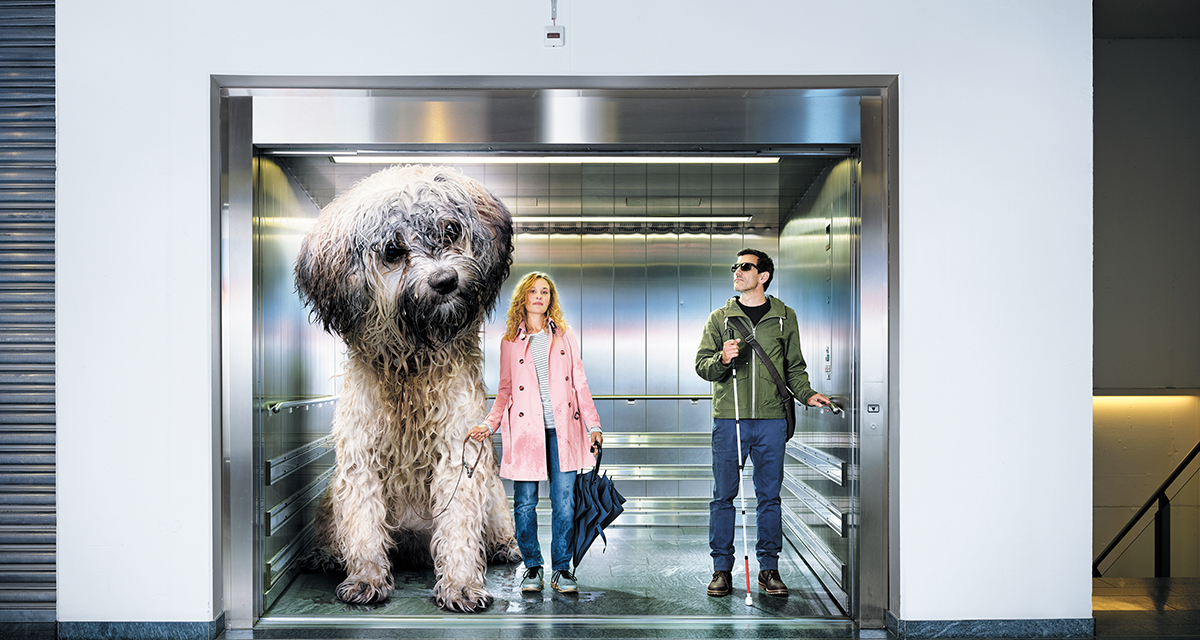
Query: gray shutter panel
{"x":27,"y":425}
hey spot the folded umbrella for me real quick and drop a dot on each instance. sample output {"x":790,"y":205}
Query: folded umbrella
{"x":597,"y":504}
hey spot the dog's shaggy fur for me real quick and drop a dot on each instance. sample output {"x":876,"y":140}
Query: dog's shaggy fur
{"x":405,"y":267}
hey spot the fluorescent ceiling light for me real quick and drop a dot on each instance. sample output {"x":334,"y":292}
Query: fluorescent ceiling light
{"x":586,"y":219}
{"x":498,"y":159}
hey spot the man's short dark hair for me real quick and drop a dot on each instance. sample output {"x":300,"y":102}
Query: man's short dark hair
{"x":765,"y":264}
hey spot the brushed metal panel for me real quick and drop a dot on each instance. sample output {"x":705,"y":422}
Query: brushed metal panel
{"x":553,"y":116}
{"x":879,"y":354}
{"x":598,"y":326}
{"x":629,"y":418}
{"x":293,"y":357}
{"x":662,"y":317}
{"x":240,"y":520}
{"x":723,"y":255}
{"x":629,"y":313}
{"x":604,"y":409}
{"x":816,"y":277}
{"x":695,"y":287}
{"x":662,"y":415}
{"x":696,"y":417}
{"x":565,"y":253}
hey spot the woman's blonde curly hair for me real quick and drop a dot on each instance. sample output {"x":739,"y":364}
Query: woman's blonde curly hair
{"x":516,"y":308}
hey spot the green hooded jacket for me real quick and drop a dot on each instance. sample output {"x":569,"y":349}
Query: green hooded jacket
{"x":758,"y":396}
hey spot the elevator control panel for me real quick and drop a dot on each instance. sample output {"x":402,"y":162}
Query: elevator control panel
{"x":872,"y":408}
{"x":555,"y":36}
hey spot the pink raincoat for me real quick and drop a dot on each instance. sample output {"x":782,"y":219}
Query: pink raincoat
{"x":518,"y":407}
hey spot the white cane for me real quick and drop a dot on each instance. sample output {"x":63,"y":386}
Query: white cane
{"x":737,"y":423}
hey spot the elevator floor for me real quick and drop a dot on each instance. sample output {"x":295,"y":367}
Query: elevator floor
{"x":646,"y":579}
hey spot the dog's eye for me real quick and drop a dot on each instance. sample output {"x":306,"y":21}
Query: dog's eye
{"x":451,"y":231}
{"x":393,"y":252}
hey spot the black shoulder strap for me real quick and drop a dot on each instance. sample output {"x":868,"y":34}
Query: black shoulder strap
{"x":742,"y":326}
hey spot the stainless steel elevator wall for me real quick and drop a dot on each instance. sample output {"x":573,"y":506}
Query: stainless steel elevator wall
{"x":638,"y":302}
{"x":637,"y":295}
{"x":294,"y":361}
{"x":817,"y":277}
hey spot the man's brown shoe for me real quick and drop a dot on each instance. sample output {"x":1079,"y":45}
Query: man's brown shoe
{"x":722,"y":584}
{"x":770,"y":582}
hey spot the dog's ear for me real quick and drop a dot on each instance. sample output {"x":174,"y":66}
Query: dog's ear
{"x":330,"y":275}
{"x":494,"y":241}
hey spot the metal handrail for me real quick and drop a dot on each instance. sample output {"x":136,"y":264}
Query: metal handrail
{"x":276,"y":407}
{"x":1159,"y":494}
{"x":634,"y":396}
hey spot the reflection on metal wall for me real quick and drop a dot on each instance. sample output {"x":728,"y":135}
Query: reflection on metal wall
{"x":817,"y":276}
{"x":295,"y":365}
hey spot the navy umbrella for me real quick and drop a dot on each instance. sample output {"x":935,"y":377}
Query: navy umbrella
{"x":597,"y":504}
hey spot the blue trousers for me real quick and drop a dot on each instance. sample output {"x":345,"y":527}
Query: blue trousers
{"x":763,"y":443}
{"x":562,"y":512}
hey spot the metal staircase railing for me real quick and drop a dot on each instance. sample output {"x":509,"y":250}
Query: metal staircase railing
{"x":1162,"y":523}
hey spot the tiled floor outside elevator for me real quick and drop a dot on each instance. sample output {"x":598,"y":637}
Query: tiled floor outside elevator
{"x":1146,"y":608}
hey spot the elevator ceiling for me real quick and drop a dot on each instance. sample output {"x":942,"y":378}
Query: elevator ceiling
{"x":764,"y":193}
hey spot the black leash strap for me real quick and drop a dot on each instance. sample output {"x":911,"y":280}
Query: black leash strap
{"x":469,"y":468}
{"x":740,"y":323}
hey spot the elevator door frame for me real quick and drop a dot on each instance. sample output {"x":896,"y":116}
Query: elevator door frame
{"x":234,"y":147}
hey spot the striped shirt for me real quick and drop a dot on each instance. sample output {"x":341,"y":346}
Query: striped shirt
{"x":539,"y":346}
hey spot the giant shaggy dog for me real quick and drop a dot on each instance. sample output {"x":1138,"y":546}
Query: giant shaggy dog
{"x":405,"y":267}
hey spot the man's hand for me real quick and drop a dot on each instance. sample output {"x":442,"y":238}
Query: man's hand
{"x":730,"y":350}
{"x":597,"y":440}
{"x":818,"y":400}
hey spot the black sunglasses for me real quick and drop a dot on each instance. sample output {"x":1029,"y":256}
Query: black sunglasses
{"x":743,"y":266}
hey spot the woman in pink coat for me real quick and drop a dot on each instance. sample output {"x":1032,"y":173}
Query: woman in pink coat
{"x":548,"y":423}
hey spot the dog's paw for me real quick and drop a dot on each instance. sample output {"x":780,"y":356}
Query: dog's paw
{"x":507,"y":553}
{"x":355,"y":590}
{"x":464,"y":599}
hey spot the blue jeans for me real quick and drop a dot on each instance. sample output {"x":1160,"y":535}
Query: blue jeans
{"x":562,"y":512}
{"x":763,"y":443}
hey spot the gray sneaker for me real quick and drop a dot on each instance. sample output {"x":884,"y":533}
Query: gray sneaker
{"x":564,"y":582}
{"x":532,"y":581}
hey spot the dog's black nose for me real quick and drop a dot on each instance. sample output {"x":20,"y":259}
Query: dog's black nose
{"x":444,"y":281}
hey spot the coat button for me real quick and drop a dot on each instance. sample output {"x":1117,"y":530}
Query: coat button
{"x":566,"y":377}
{"x":521,"y":388}
{"x":521,"y":414}
{"x":576,"y":415}
{"x":521,"y":361}
{"x":562,"y":353}
{"x":568,"y":404}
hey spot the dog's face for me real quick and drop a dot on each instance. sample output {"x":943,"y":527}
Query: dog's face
{"x":413,"y":254}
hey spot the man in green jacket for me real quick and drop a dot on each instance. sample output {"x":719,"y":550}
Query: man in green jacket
{"x":761,"y":412}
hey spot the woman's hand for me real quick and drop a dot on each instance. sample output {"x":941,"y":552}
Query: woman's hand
{"x":479,"y":432}
{"x":597,"y":440}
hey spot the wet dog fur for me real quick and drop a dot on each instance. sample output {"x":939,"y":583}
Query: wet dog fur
{"x":405,"y":268}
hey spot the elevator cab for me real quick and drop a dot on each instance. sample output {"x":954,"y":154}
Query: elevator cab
{"x":635,"y":197}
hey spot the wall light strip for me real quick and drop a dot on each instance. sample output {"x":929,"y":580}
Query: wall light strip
{"x":595,"y":219}
{"x":498,"y":159}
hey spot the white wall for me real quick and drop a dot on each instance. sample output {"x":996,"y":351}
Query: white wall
{"x":996,"y":281}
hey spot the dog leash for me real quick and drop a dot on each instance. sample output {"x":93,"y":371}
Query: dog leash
{"x":469,"y":468}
